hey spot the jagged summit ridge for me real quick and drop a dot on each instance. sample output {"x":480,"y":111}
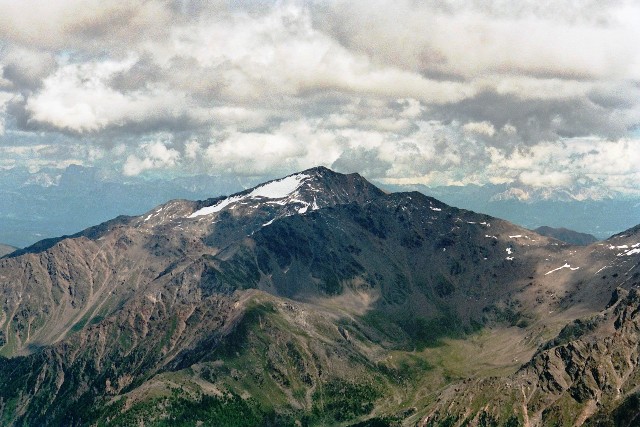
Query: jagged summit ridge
{"x":298,"y":193}
{"x":274,"y":191}
{"x":308,"y":188}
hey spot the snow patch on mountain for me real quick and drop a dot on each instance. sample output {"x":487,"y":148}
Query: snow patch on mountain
{"x":278,"y":189}
{"x":635,"y":249}
{"x":217,"y":207}
{"x":566,"y":265}
{"x":43,"y":179}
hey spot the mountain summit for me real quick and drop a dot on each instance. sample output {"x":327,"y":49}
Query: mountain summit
{"x":304,"y":300}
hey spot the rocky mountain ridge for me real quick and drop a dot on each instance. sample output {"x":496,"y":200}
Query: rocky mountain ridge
{"x":567,"y":236}
{"x":306,"y":299}
{"x":589,"y":212}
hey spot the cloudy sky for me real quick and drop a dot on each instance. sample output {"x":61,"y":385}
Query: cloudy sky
{"x":537,"y":93}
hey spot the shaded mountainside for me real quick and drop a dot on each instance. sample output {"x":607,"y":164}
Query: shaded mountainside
{"x":316,"y":299}
{"x":567,"y":236}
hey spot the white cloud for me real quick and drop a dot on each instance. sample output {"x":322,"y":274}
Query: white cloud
{"x":543,"y":178}
{"x":591,"y":161}
{"x":509,"y":129}
{"x":192,"y":149}
{"x":480,"y":128}
{"x":292,"y":146}
{"x":64,"y":24}
{"x":282,"y":53}
{"x":254,"y":153}
{"x":154,"y":155}
{"x":289,"y":50}
{"x":52,"y":154}
{"x":412,"y":108}
{"x":238,"y":118}
{"x":435,"y":92}
{"x":475,"y":39}
{"x":119,"y":150}
{"x":4,"y":100}
{"x":77,"y":97}
{"x":239,"y":61}
{"x":24,"y":68}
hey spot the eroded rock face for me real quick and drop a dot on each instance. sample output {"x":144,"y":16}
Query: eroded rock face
{"x":584,"y":374}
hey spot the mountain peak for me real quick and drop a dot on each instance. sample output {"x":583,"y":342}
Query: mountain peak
{"x":310,"y":189}
{"x":236,"y":216}
{"x":321,"y":170}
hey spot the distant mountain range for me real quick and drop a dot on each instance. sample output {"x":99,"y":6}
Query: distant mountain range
{"x":318,"y":299}
{"x":584,"y":210}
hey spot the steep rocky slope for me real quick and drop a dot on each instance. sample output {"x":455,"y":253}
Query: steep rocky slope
{"x":316,"y":299}
{"x":588,"y":373}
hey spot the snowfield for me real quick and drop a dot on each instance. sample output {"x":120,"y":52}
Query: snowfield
{"x":272,"y":190}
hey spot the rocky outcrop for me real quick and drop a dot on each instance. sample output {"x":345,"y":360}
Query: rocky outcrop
{"x":586,"y":373}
